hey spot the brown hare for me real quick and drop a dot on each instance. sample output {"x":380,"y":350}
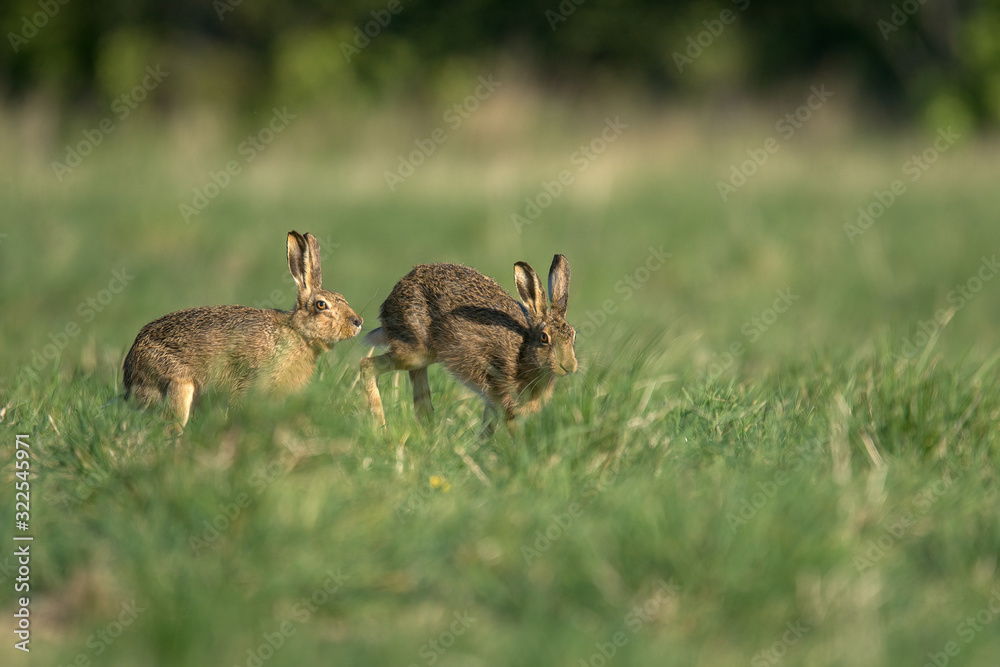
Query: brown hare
{"x":509,"y":353}
{"x":178,"y":355}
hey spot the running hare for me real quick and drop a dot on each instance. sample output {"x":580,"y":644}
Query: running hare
{"x":178,"y":355}
{"x":508,"y":352}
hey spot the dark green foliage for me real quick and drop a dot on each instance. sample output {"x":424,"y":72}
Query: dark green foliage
{"x":935,"y":58}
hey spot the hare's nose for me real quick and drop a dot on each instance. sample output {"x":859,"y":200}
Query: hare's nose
{"x":357,"y":321}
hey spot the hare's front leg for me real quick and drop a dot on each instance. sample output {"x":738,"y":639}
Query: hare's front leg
{"x":371,"y":368}
{"x":492,"y":415}
{"x":490,"y":418}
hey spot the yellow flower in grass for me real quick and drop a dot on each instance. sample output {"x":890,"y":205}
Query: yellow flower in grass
{"x":439,"y":482}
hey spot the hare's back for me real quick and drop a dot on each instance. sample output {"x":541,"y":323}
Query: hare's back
{"x":447,"y":307}
{"x":208,"y":330}
{"x":437,"y":289}
{"x":209,"y":321}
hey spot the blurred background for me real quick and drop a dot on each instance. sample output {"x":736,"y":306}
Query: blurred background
{"x":748,"y":141}
{"x":935,"y":62}
{"x":762,"y":148}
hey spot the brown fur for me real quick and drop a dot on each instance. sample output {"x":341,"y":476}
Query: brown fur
{"x":177,"y":356}
{"x":451,"y":314}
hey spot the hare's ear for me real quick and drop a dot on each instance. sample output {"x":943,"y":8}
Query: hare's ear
{"x":298,"y":250}
{"x":531,"y":290}
{"x":314,"y":273}
{"x":559,"y":285}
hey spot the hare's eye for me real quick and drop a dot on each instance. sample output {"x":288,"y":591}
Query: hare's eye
{"x":545,"y":338}
{"x":321,"y":305}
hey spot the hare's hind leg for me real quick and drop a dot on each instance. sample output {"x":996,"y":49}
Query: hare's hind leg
{"x":413,"y":360}
{"x":422,"y":403}
{"x":180,"y":394}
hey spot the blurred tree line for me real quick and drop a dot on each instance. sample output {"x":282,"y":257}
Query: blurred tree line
{"x":909,"y":57}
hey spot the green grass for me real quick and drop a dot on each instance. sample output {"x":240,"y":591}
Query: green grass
{"x":671,"y":504}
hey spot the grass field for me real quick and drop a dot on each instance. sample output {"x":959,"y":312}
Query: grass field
{"x":780,"y":448}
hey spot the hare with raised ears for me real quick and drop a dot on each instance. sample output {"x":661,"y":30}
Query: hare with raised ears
{"x":178,"y":355}
{"x":510,"y":353}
